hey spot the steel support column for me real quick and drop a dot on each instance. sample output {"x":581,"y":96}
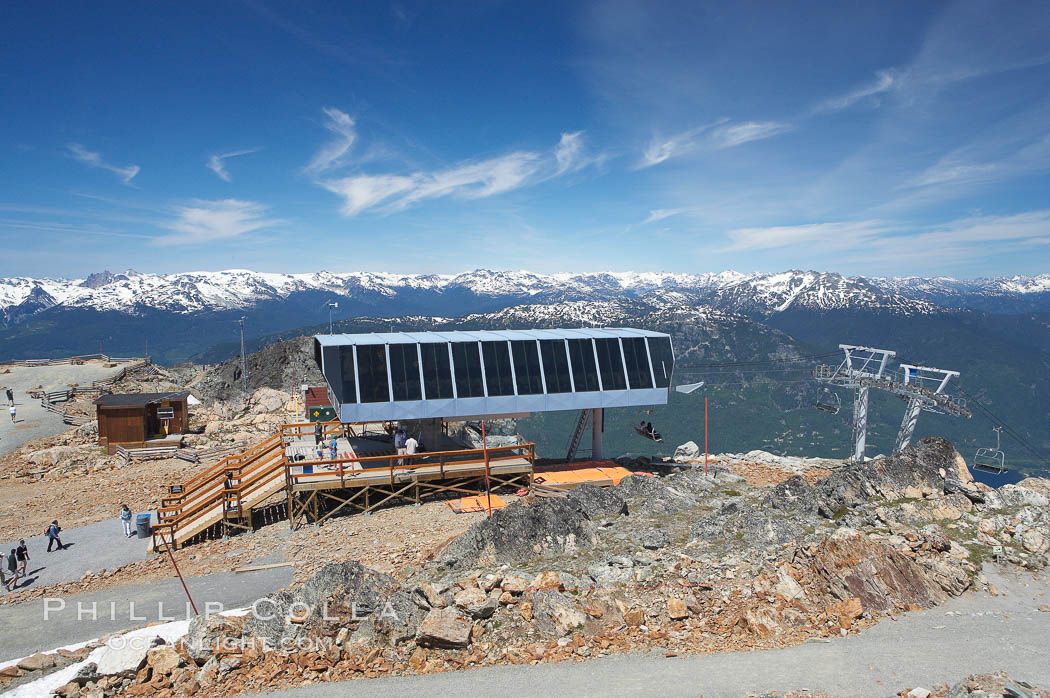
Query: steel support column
{"x":860,"y":422}
{"x":597,"y":427}
{"x":911,"y":416}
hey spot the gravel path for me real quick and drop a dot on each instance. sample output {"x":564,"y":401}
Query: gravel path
{"x":982,"y":634}
{"x":33,"y":421}
{"x":95,"y":547}
{"x":25,"y":630}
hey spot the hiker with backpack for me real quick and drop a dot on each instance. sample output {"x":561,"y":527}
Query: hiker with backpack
{"x":52,"y":535}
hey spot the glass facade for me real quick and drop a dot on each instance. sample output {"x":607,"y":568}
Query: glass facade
{"x":467,"y":361}
{"x":610,"y":364}
{"x":555,"y":366}
{"x":663,"y":360}
{"x":527,"y":367}
{"x":346,"y":371}
{"x":415,"y":371}
{"x":497,"y":368}
{"x":437,"y":374}
{"x":404,"y":372}
{"x":634,"y":354}
{"x":371,"y":368}
{"x":584,"y":370}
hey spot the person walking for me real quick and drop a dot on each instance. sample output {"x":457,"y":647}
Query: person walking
{"x":52,"y":535}
{"x":125,"y":518}
{"x":10,"y":397}
{"x":12,"y":568}
{"x":399,"y":444}
{"x":13,"y":410}
{"x":318,"y":433}
{"x":3,"y":569}
{"x":22,"y":554}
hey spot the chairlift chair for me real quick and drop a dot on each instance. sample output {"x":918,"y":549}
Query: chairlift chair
{"x":828,"y":401}
{"x":654,"y":435}
{"x":649,"y":433}
{"x":991,"y":460}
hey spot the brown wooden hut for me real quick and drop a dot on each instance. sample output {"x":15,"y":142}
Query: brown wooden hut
{"x":133,"y":419}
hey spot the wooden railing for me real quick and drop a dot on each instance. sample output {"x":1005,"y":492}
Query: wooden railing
{"x":49,"y":399}
{"x":396,"y":462}
{"x":251,"y":470}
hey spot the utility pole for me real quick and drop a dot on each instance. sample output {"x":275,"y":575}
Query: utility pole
{"x":244,"y":362}
{"x":331,"y":304}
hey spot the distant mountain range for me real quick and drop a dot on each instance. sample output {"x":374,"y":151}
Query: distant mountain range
{"x":995,"y":331}
{"x":380,"y":294}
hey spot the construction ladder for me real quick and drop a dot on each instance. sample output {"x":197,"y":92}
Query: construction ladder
{"x":577,"y":435}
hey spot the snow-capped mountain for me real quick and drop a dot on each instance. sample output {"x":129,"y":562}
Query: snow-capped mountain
{"x":182,"y":314}
{"x":237,"y":289}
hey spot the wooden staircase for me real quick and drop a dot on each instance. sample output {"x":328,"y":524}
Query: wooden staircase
{"x":194,"y":506}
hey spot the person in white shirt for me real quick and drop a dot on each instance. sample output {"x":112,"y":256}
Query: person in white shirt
{"x":411,"y":445}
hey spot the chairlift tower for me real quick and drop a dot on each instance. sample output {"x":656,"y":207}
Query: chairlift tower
{"x":918,"y":392}
{"x":922,"y":388}
{"x":861,"y":368}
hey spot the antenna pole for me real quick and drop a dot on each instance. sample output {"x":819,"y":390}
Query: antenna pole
{"x":244,"y":362}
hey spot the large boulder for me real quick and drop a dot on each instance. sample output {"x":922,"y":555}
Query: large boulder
{"x":207,"y":634}
{"x":372,"y":602}
{"x":931,"y":463}
{"x":267,"y":400}
{"x":655,"y":496}
{"x":849,"y":564}
{"x":521,"y":531}
{"x":446,"y":628}
{"x":688,"y":451}
{"x":599,"y":502}
{"x":554,"y":613}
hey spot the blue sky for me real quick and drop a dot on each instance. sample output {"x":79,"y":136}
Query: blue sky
{"x":865,"y":138}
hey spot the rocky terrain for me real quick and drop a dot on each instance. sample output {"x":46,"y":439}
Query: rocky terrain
{"x":682,"y":563}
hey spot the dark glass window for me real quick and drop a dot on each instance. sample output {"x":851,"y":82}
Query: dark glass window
{"x":467,"y":360}
{"x":371,"y":370}
{"x":611,"y":364}
{"x":348,"y":391}
{"x":317,"y":354}
{"x":663,"y":360}
{"x":404,"y":372}
{"x":527,"y":367}
{"x":637,"y":362}
{"x":331,"y":370}
{"x":497,"y":368}
{"x":437,"y":376}
{"x":555,"y":365}
{"x":584,"y":371}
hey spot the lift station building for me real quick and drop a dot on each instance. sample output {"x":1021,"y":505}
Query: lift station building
{"x":464,"y":375}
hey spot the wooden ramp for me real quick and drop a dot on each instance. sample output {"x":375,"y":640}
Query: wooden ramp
{"x":194,"y":506}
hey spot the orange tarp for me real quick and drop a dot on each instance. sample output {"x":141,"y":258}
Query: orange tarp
{"x":477,"y":503}
{"x":574,"y":474}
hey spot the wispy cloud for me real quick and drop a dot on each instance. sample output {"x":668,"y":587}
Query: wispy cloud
{"x":708,"y":137}
{"x":207,"y":221}
{"x":94,"y":159}
{"x":217,"y":163}
{"x":885,"y":80}
{"x":871,"y":241}
{"x":568,"y":151}
{"x":470,"y":179}
{"x":840,"y":234}
{"x":334,"y":153}
{"x":737,"y":134}
{"x":473,"y":180}
{"x":662,"y":213}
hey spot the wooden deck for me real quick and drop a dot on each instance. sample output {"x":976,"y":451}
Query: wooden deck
{"x":314,"y":490}
{"x":319,"y":489}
